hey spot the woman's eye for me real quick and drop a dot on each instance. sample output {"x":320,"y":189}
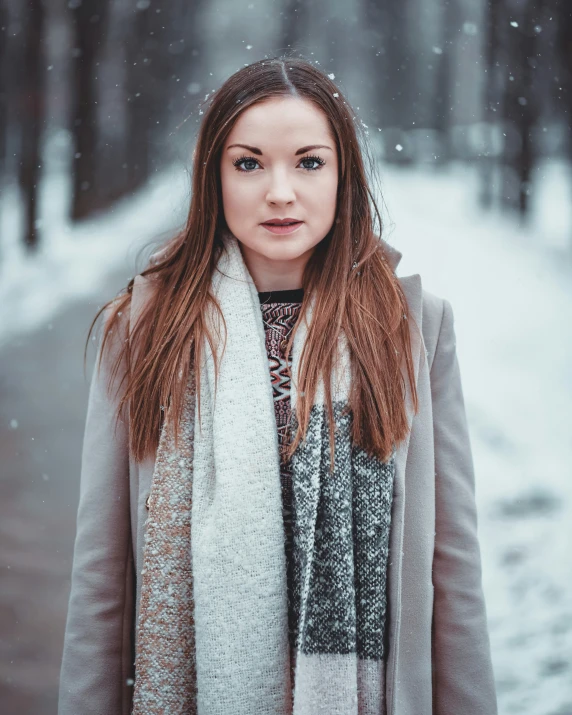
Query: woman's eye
{"x":245,"y":161}
{"x":313,"y":159}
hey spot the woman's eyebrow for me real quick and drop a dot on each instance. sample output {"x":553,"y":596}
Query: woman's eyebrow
{"x":303,"y":150}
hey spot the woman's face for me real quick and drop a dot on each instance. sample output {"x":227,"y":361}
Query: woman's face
{"x":279,"y":161}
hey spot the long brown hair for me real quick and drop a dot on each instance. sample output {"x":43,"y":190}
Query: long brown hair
{"x":368,"y":304}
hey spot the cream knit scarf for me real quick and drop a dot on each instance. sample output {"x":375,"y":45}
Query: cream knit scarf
{"x":212,"y":634}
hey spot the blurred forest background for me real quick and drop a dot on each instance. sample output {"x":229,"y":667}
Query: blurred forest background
{"x":467,"y":106}
{"x":107,"y":84}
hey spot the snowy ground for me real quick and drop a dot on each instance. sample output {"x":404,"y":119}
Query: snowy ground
{"x":511,"y":292}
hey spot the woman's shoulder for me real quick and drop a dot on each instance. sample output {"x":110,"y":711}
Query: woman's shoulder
{"x":436,"y":311}
{"x":433,"y":308}
{"x":426,"y":306}
{"x":142,"y":291}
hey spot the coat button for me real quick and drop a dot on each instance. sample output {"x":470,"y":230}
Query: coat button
{"x":283,"y":345}
{"x":147,"y":501}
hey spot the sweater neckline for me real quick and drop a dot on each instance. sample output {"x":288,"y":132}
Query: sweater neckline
{"x":293,"y":295}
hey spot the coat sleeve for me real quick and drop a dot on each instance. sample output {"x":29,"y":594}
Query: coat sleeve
{"x":463,"y":680}
{"x":97,"y":643}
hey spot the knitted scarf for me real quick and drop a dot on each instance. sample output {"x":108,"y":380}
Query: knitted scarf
{"x":212,"y":633}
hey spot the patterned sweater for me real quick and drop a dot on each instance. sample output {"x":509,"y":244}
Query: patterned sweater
{"x":280,"y":310}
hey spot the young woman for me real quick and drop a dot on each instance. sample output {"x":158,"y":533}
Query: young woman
{"x":277,"y":507}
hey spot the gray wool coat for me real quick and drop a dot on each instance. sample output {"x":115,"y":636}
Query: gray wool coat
{"x":439,"y":660}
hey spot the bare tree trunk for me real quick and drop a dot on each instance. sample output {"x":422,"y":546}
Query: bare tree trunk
{"x":294,"y":19}
{"x":520,"y":107}
{"x":189,"y":72}
{"x":399,"y":93}
{"x":563,"y":11}
{"x":375,"y":55}
{"x":89,"y":25}
{"x":394,"y":72}
{"x":31,"y":114}
{"x":110,"y":176}
{"x":148,"y":90}
{"x":530,"y":109}
{"x":4,"y":19}
{"x":184,"y":71}
{"x":492,"y":99}
{"x":161,"y":63}
{"x":444,"y":86}
{"x":563,"y":48}
{"x":140,"y":99}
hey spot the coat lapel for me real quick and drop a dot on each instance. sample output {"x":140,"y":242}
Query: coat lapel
{"x":141,"y":473}
{"x":414,"y":294}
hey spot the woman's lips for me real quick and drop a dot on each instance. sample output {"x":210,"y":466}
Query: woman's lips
{"x":277,"y":228}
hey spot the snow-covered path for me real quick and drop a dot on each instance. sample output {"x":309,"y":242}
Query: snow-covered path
{"x":512,"y":300}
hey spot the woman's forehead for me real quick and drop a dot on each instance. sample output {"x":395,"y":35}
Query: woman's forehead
{"x":279,"y":122}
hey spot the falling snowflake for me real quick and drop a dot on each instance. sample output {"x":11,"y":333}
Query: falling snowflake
{"x":336,"y":94}
{"x":514,"y":23}
{"x":248,"y":47}
{"x":469,"y":28}
{"x":399,"y":147}
{"x":332,"y":75}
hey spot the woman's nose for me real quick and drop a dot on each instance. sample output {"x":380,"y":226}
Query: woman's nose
{"x":281,"y":189}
